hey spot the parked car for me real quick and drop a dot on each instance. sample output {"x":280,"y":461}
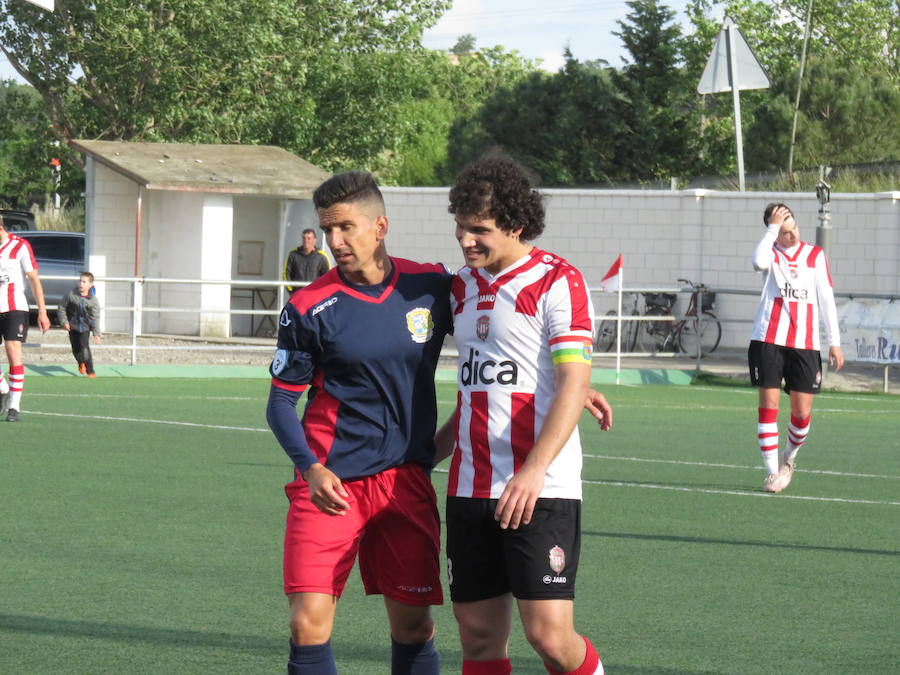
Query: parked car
{"x":14,"y":221}
{"x":57,"y":254}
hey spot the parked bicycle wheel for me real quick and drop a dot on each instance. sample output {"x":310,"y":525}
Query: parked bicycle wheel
{"x":651,"y":335}
{"x":606,"y":333}
{"x":706,"y":333}
{"x":630,"y":333}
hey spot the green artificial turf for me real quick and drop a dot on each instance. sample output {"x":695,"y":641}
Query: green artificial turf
{"x":141,"y":523}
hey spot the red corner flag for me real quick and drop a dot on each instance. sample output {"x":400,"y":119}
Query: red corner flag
{"x":613,"y":278}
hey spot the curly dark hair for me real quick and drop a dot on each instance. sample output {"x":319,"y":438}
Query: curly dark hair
{"x":499,"y":188}
{"x":348,"y":188}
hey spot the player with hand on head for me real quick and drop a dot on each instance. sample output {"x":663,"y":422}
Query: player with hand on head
{"x":785,"y":345}
{"x":523,"y":326}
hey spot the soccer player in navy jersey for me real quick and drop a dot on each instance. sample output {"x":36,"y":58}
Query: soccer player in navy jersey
{"x":365,"y":338}
{"x":522,"y":324}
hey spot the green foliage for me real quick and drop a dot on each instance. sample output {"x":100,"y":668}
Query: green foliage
{"x":216,"y":71}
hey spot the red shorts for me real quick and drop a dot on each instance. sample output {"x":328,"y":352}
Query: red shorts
{"x":392,"y":523}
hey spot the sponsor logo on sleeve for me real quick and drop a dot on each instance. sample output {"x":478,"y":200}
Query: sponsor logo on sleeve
{"x":279,"y":361}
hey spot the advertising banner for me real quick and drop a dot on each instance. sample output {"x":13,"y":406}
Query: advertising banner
{"x":870,"y":330}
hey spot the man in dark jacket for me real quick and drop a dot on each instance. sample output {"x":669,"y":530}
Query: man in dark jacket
{"x":306,"y":262}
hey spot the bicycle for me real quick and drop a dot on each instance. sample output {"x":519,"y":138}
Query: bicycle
{"x":687,"y":334}
{"x":605,"y":339}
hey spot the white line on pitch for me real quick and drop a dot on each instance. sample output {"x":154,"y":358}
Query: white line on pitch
{"x":148,"y":421}
{"x":739,"y":493}
{"x":145,"y":397}
{"x":733,"y":466}
{"x":736,"y":493}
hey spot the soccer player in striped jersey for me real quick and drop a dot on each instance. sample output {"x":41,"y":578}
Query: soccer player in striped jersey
{"x":785,"y":346}
{"x":16,"y":265}
{"x":522,"y":325}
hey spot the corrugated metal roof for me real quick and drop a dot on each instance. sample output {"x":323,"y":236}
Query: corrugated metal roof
{"x":232,"y":169}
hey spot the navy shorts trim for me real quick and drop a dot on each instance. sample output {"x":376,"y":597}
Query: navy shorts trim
{"x":770,"y":364}
{"x":538,"y":561}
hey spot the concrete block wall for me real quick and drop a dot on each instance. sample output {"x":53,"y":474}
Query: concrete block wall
{"x":702,"y":235}
{"x":110,"y":225}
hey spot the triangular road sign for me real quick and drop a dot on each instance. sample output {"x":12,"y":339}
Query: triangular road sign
{"x":717,"y":75}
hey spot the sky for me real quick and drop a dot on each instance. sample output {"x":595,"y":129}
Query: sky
{"x":538,"y":29}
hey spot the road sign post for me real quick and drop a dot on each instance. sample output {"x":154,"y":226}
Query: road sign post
{"x":732,"y":66}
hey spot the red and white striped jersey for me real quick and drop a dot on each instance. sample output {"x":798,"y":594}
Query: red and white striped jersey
{"x":797,"y":292}
{"x":16,"y":260}
{"x":511,"y":330}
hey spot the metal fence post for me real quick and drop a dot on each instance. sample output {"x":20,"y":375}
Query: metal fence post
{"x":136,"y":316}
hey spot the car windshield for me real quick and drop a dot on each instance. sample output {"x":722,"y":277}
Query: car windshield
{"x":57,"y":248}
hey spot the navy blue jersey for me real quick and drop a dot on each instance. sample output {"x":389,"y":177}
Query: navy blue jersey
{"x":368,"y":355}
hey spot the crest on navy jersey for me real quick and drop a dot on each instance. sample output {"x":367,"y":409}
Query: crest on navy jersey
{"x":557,"y":559}
{"x":284,"y":320}
{"x":420,"y":324}
{"x":483,"y":327}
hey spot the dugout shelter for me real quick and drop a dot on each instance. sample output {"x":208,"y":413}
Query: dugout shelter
{"x":193,"y":212}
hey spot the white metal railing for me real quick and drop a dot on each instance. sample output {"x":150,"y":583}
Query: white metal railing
{"x":138,"y":309}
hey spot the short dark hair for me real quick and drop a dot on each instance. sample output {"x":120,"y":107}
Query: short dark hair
{"x":499,"y":188}
{"x":308,"y":230}
{"x":348,"y":188}
{"x":771,"y":207}
{"x":88,"y":275}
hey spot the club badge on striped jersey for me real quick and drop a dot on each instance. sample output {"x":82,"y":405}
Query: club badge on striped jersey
{"x":420,"y":324}
{"x":483,"y":327}
{"x":557,"y":559}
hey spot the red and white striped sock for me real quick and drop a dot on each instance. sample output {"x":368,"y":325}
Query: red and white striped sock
{"x":16,"y":385}
{"x":798,"y":430}
{"x":767,"y":437}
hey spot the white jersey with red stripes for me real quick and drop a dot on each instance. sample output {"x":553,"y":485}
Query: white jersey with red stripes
{"x":797,"y":293}
{"x":511,"y":330}
{"x":16,"y":260}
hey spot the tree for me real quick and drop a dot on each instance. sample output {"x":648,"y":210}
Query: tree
{"x":658,"y":106}
{"x":562,"y":125}
{"x":851,"y":81}
{"x":464,"y":45}
{"x":254,"y":71}
{"x":27,"y":149}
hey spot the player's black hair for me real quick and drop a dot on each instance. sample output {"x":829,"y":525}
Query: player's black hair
{"x":771,"y":207}
{"x":308,"y":230}
{"x":499,"y":188}
{"x":351,"y":187}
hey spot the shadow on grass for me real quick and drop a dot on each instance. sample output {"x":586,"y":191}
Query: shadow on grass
{"x":734,"y":542}
{"x":276,"y":647}
{"x":38,"y":625}
{"x":51,"y":370}
{"x":648,"y":670}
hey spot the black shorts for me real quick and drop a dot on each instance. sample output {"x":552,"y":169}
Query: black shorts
{"x":13,"y":326}
{"x":537,"y":561}
{"x":801,"y":369}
